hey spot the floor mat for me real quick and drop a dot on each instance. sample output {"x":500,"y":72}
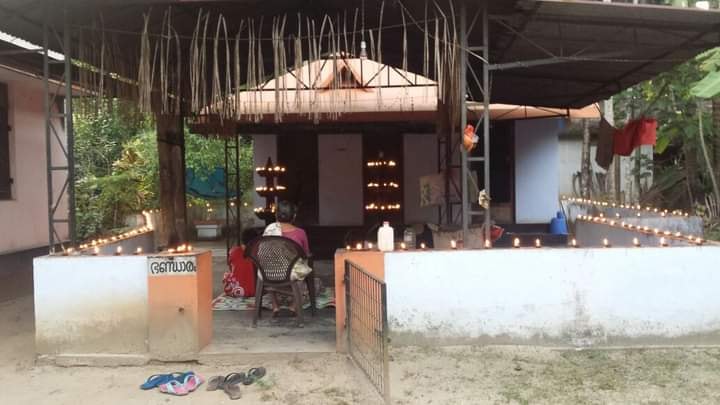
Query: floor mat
{"x":324,"y":299}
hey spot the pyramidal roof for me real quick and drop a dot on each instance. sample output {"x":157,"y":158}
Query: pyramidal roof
{"x":329,"y":88}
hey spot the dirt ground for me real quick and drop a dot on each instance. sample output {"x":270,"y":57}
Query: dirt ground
{"x":458,"y":375}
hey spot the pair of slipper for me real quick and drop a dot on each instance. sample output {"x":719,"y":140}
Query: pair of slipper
{"x":177,"y":383}
{"x":229,"y":383}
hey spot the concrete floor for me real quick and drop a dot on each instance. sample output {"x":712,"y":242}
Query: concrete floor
{"x":233,"y":334}
{"x":235,"y":338}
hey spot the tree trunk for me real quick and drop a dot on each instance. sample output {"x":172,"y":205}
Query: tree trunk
{"x":614,"y":178}
{"x":586,"y":174}
{"x":171,"y":155}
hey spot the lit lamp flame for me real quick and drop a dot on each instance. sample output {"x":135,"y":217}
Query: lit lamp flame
{"x":663,"y":242}
{"x":358,"y":246}
{"x":636,"y":242}
{"x":606,"y":243}
{"x":96,"y":251}
{"x":574,"y":243}
{"x":403,"y":246}
{"x":422,"y":246}
{"x":139,"y":250}
{"x":453,"y":244}
{"x":488,"y":244}
{"x":516,"y":242}
{"x":118,"y":251}
{"x":538,"y":244}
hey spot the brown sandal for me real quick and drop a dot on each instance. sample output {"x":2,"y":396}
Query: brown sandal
{"x":233,"y":391}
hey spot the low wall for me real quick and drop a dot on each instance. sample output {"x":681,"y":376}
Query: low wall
{"x":145,"y":240}
{"x":576,"y":297}
{"x":90,"y":304}
{"x":690,"y":225}
{"x":121,"y":310}
{"x":590,"y":234}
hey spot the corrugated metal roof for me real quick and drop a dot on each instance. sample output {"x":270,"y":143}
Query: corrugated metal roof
{"x":598,"y":48}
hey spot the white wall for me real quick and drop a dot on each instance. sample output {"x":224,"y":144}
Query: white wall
{"x":571,"y":163}
{"x":555,"y":296}
{"x":264,"y":146}
{"x":536,"y":169}
{"x":340,"y":181}
{"x":24,"y":218}
{"x":420,"y":153}
{"x":106,"y":313}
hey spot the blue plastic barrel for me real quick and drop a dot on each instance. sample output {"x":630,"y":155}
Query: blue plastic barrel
{"x":558,"y":226}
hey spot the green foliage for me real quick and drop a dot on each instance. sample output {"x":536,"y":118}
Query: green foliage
{"x":708,"y":86}
{"x":118,"y":168}
{"x":671,"y":99}
{"x":104,"y":187}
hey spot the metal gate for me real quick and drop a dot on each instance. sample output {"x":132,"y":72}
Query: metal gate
{"x":367,"y":325}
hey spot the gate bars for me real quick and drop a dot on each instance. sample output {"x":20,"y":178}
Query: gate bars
{"x":367,"y":325}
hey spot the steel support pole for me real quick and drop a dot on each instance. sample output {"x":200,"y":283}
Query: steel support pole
{"x":228,"y":235}
{"x":48,"y":129}
{"x":238,"y":192}
{"x":486,"y":113}
{"x":69,"y":127}
{"x":462,"y":88}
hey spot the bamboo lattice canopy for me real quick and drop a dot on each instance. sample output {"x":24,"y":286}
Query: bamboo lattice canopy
{"x":564,"y":54}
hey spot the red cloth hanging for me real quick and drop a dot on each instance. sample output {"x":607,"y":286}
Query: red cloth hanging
{"x":642,"y":131}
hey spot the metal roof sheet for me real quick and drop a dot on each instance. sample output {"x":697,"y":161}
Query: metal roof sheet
{"x":552,"y":53}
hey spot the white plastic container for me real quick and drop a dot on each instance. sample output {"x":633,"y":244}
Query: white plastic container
{"x":386,"y":238}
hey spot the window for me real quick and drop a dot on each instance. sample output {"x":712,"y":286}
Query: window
{"x":5,"y":179}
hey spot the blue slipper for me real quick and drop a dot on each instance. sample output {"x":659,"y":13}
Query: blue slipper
{"x":159,"y":379}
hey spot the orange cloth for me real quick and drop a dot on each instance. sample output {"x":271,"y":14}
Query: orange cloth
{"x":469,"y":138}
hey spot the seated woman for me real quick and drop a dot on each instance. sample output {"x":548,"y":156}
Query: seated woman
{"x":285,"y":216}
{"x":240,"y":280}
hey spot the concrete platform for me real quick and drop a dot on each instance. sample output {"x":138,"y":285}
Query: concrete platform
{"x":236,"y":340}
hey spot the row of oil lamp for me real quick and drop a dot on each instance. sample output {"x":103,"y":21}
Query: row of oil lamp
{"x":95,"y":244}
{"x":276,"y":169}
{"x":184,"y":248}
{"x":635,"y":207}
{"x":368,"y":246}
{"x":112,"y":239}
{"x":209,"y":207}
{"x":383,"y":207}
{"x":381,"y":163}
{"x":386,"y":185}
{"x":265,"y":189}
{"x":663,"y":234}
